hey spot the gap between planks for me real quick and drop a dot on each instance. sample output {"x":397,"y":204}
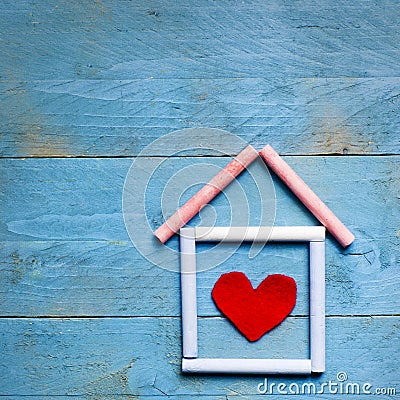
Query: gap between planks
{"x":196,"y":156}
{"x":178,"y":316}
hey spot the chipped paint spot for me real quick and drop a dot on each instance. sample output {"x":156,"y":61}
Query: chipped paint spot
{"x":154,"y":13}
{"x":114,"y":382}
{"x":202,"y":96}
{"x":330,"y":125}
{"x":35,"y":142}
{"x":34,"y":138}
{"x":100,"y":5}
{"x":104,"y":11}
{"x":117,"y":242}
{"x":18,"y":270}
{"x":20,"y":267}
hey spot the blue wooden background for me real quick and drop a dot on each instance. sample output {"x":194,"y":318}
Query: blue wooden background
{"x":86,"y":85}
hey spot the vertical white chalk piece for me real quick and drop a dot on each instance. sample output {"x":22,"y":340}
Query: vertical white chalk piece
{"x":317,"y":306}
{"x":246,"y":366}
{"x":188,"y":290}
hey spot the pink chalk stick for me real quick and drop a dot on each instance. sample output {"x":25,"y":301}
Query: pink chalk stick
{"x":206,"y":194}
{"x":307,"y":196}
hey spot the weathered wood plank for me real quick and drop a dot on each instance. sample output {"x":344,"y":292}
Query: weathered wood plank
{"x":41,"y":197}
{"x":100,"y":278}
{"x":136,"y":16}
{"x":65,"y":250}
{"x":122,"y":40}
{"x":121,"y":117}
{"x":141,"y":356}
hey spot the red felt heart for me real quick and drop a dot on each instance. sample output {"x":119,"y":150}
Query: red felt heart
{"x":254,"y":312}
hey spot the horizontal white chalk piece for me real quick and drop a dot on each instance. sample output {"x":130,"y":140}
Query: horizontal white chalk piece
{"x":319,"y":209}
{"x":246,"y":366}
{"x":317,"y":306}
{"x":260,"y":234}
{"x":188,"y":292}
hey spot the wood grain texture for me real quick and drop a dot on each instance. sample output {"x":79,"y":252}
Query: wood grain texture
{"x":65,"y":250}
{"x":104,"y":117}
{"x":105,"y":78}
{"x":124,"y":40}
{"x":141,"y":356}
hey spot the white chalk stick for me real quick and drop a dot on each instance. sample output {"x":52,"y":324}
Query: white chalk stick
{"x":246,"y":366}
{"x":188,"y":292}
{"x":206,"y":194}
{"x":260,"y":234}
{"x":307,"y":196}
{"x":317,"y":306}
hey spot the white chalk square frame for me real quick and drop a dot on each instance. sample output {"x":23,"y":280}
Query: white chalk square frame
{"x":315,"y":236}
